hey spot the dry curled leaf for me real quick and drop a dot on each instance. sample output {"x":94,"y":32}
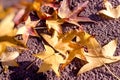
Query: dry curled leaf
{"x":27,"y":29}
{"x":71,"y":16}
{"x":51,"y":60}
{"x":32,"y":6}
{"x":79,"y":53}
{"x":98,"y":56}
{"x":110,"y":10}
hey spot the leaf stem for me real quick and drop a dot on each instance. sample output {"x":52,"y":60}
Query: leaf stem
{"x":31,"y":63}
{"x":105,"y":64}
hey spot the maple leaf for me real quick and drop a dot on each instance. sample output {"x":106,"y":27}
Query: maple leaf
{"x":98,"y":56}
{"x":51,"y":60}
{"x":63,"y":43}
{"x":77,"y":46}
{"x":79,"y":53}
{"x":71,"y":16}
{"x":27,"y":29}
{"x":55,"y":42}
{"x":110,"y":10}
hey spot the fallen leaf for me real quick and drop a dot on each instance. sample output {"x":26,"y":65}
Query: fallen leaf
{"x":51,"y":60}
{"x":79,"y":53}
{"x":34,"y":6}
{"x":77,"y":46}
{"x":27,"y":29}
{"x":19,"y":17}
{"x":98,"y":56}
{"x":71,"y":16}
{"x":55,"y":42}
{"x":63,"y":44}
{"x":7,"y":25}
{"x":54,"y":24}
{"x":8,"y":58}
{"x":110,"y":10}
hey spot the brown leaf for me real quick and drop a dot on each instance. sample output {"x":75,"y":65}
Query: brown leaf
{"x":27,"y":29}
{"x":20,"y":16}
{"x":65,"y":12}
{"x":34,"y":6}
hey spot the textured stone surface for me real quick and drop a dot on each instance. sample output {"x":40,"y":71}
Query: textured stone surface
{"x":104,"y":31}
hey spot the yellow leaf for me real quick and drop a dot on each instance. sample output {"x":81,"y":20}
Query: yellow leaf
{"x":54,"y":24}
{"x":110,"y":10}
{"x":79,"y":53}
{"x":63,"y":44}
{"x":98,"y":56}
{"x":51,"y":60}
{"x":6,"y":26}
{"x":93,"y":46}
{"x":109,"y":48}
{"x":83,"y":38}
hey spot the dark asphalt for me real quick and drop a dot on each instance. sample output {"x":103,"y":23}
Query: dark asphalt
{"x":104,"y":31}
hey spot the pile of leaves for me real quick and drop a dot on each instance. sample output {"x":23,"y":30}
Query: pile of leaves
{"x":60,"y":47}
